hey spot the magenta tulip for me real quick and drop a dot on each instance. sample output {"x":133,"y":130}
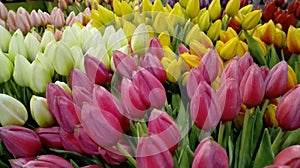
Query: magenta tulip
{"x":112,"y":155}
{"x":37,"y":163}
{"x":252,"y":87}
{"x":209,"y":154}
{"x":78,"y":78}
{"x":124,"y":64}
{"x":287,"y":112}
{"x":232,"y":70}
{"x":49,"y":137}
{"x":245,"y":62}
{"x":17,"y":163}
{"x":152,"y":152}
{"x":205,"y":107}
{"x":85,"y":142}
{"x":163,"y":125}
{"x":289,"y":156}
{"x":156,"y":48}
{"x":230,"y":99}
{"x":153,"y":65}
{"x":69,"y":142}
{"x":81,"y":95}
{"x":20,"y":141}
{"x":210,"y":65}
{"x":48,"y":161}
{"x":95,"y":70}
{"x":194,"y":78}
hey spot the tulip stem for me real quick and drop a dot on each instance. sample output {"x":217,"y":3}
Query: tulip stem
{"x":221,"y":133}
{"x":243,"y":145}
{"x":278,"y":141}
{"x":127,"y":155}
{"x":264,"y":107}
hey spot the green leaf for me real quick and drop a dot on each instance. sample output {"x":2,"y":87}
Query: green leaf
{"x":265,"y":154}
{"x":74,"y":164}
{"x":255,"y":50}
{"x":273,"y":57}
{"x":237,"y":150}
{"x":230,"y":150}
{"x":292,"y":139}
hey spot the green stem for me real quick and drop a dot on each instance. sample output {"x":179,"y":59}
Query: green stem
{"x":244,"y":136}
{"x":264,"y":107}
{"x":127,"y":155}
{"x":221,"y":133}
{"x":144,"y":127}
{"x":278,"y":141}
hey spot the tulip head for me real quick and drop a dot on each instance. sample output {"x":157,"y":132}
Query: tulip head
{"x":290,"y":157}
{"x":62,"y":65}
{"x":267,"y":32}
{"x":96,"y":70}
{"x":280,"y":37}
{"x":214,"y":9}
{"x":251,"y":19}
{"x":17,"y":46}
{"x":293,"y":41}
{"x":192,"y":8}
{"x":124,"y":64}
{"x":39,"y":76}
{"x":140,"y":40}
{"x":245,"y":62}
{"x":210,"y":65}
{"x":7,"y":68}
{"x":268,"y":12}
{"x":232,"y":7}
{"x":152,"y":64}
{"x":4,"y":43}
{"x":50,"y":137}
{"x":85,"y":142}
{"x":40,"y":112}
{"x":57,"y":18}
{"x":214,"y":30}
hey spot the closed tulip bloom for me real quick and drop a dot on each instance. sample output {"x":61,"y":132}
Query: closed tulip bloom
{"x":204,"y":21}
{"x":214,"y":30}
{"x":162,"y":125}
{"x":251,"y":19}
{"x":293,"y":41}
{"x":20,"y":141}
{"x":81,"y":95}
{"x":17,"y":46}
{"x":40,"y":112}
{"x":96,"y":70}
{"x":57,"y":18}
{"x":252,"y":87}
{"x":4,"y":43}
{"x":11,"y":20}
{"x":194,"y":78}
{"x":33,"y":46}
{"x":124,"y":64}
{"x":48,"y":161}
{"x":228,"y":34}
{"x":198,"y":48}
{"x":230,"y":48}
{"x":153,"y":65}
{"x":209,"y":154}
{"x":210,"y":65}
{"x":276,"y":80}
{"x":140,"y":40}
{"x":267,"y":32}
{"x":156,"y":48}
{"x":205,"y":107}
{"x":87,"y":145}
{"x":280,"y":37}
{"x":7,"y":68}
{"x":39,"y":76}
{"x":17,"y":163}
{"x":230,"y":100}
{"x":50,"y":137}
{"x":62,"y":65}
{"x":232,"y":70}
{"x":232,"y":7}
{"x":80,"y":79}
{"x":3,"y":11}
{"x":35,"y":18}
{"x":245,"y":62}
{"x":112,"y":155}
{"x":268,"y":12}
{"x":290,"y":156}
{"x":287,"y":110}
{"x":214,"y":9}
{"x":152,"y":152}
{"x":192,"y":8}
{"x":190,"y":59}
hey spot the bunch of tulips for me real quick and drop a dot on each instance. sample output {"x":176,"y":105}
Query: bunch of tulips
{"x":183,"y":83}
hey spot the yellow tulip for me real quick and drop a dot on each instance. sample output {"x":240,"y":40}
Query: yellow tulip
{"x":128,"y":28}
{"x":232,"y":7}
{"x":183,"y":3}
{"x":191,"y":60}
{"x":227,"y":35}
{"x":146,"y":5}
{"x":230,"y":48}
{"x":205,"y":40}
{"x":267,"y":32}
{"x":173,"y":71}
{"x":214,"y":9}
{"x":117,"y":8}
{"x":292,"y":80}
{"x":184,"y":78}
{"x":157,"y":7}
{"x":280,"y":38}
{"x":270,"y":115}
{"x":246,"y":9}
{"x":204,"y":21}
{"x":106,"y":16}
{"x":214,"y":30}
{"x":251,"y":19}
{"x":169,"y":53}
{"x":177,"y":14}
{"x":166,"y":61}
{"x":150,"y":31}
{"x":293,"y":39}
{"x":219,"y":46}
{"x":126,"y":9}
{"x":192,"y":8}
{"x":262,"y":45}
{"x":196,"y":48}
{"x":183,"y":65}
{"x":242,"y":48}
{"x":164,"y":39}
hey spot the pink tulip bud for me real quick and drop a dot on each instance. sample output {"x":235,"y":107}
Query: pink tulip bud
{"x":35,"y":18}
{"x":153,"y":65}
{"x":288,"y":109}
{"x":182,"y":49}
{"x":91,"y":166}
{"x":78,"y":78}
{"x":37,"y":163}
{"x":252,"y":87}
{"x":2,"y":23}
{"x":290,"y":156}
{"x":11,"y":20}
{"x":58,"y":34}
{"x":277,"y":80}
{"x":209,"y":65}
{"x":49,"y":136}
{"x":69,"y":142}
{"x":108,"y":103}
{"x":85,"y":142}
{"x":45,"y":18}
{"x":245,"y":62}
{"x":152,"y":152}
{"x":194,"y":78}
{"x":232,"y":70}
{"x":103,"y":128}
{"x":205,"y":107}
{"x":70,"y":20}
{"x":230,"y":99}
{"x":3,"y":11}
{"x":62,"y":5}
{"x":264,"y":71}
{"x":112,"y":155}
{"x":48,"y":161}
{"x":17,"y":163}
{"x":150,"y":89}
{"x":210,"y":154}
{"x":132,"y":102}
{"x":57,"y":18}
{"x":124,"y":64}
{"x":95,"y":70}
{"x":81,"y":95}
{"x":163,"y":125}
{"x":156,"y":48}
{"x":20,"y":141}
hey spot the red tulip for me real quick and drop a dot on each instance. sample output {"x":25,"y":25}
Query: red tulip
{"x":49,"y":136}
{"x":205,"y":107}
{"x":156,"y":48}
{"x":245,"y":62}
{"x":293,"y":6}
{"x":290,"y":156}
{"x":85,"y":142}
{"x":95,"y":70}
{"x":78,"y":78}
{"x":268,"y":12}
{"x":194,"y":78}
{"x":277,"y":80}
{"x":230,"y":99}
{"x":163,"y":125}
{"x":288,"y":20}
{"x":17,"y":163}
{"x":152,"y":152}
{"x":209,"y":154}
{"x":103,"y":128}
{"x":252,"y":87}
{"x":20,"y":141}
{"x":153,"y":65}
{"x":209,"y":65}
{"x":287,"y":112}
{"x":124,"y":64}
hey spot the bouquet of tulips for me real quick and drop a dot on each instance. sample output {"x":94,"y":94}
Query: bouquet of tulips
{"x":151,"y":84}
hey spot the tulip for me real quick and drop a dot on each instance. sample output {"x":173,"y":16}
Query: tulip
{"x":280,"y":37}
{"x":20,"y":141}
{"x":39,"y":77}
{"x":91,"y":166}
{"x":160,"y":22}
{"x":245,"y":62}
{"x":191,"y":60}
{"x":13,"y":112}
{"x":232,"y":7}
{"x":69,"y":37}
{"x":23,"y":21}
{"x":69,"y":142}
{"x":270,"y":116}
{"x":293,"y":42}
{"x":162,"y":125}
{"x":192,"y":8}
{"x":290,"y":156}
{"x":150,"y":89}
{"x":35,"y":19}
{"x":204,"y":21}
{"x":104,"y":129}
{"x":210,"y":154}
{"x":85,"y":142}
{"x":57,"y":18}
{"x":5,"y":39}
{"x":292,"y":81}
{"x":78,"y":78}
{"x":3,"y":11}
{"x":112,"y":155}
{"x":209,"y":66}
{"x":17,"y":46}
{"x":286,"y":114}
{"x":48,"y":161}
{"x":230,"y":48}
{"x":81,"y":95}
{"x":153,"y":65}
{"x":33,"y":46}
{"x":214,"y":9}
{"x":17,"y":163}
{"x":181,"y":49}
{"x":40,"y":112}
{"x":197,"y":48}
{"x":205,"y":108}
{"x":7,"y":68}
{"x":96,"y":70}
{"x":252,"y":87}
{"x":267,"y":32}
{"x":124,"y":64}
{"x":227,"y":35}
{"x":230,"y":100}
{"x":251,"y":19}
{"x":47,"y":40}
{"x":235,"y":23}
{"x":152,"y":152}
{"x":194,"y":78}
{"x":62,"y":65}
{"x":268,"y":12}
{"x":140,"y":40}
{"x":214,"y":30}
{"x":156,"y":48}
{"x":232,"y":70}
{"x":11,"y":20}
{"x":50,"y":137}
{"x":64,"y":86}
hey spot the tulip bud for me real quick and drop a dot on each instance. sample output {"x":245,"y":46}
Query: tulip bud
{"x":20,"y":141}
{"x":33,"y":46}
{"x":214,"y":9}
{"x":230,"y":48}
{"x":227,"y":35}
{"x":40,"y":112}
{"x":293,"y":41}
{"x":205,"y":107}
{"x":162,"y":125}
{"x":268,"y":12}
{"x":204,"y":21}
{"x":47,"y":38}
{"x":55,"y":160}
{"x":280,"y":37}
{"x":52,"y":92}
{"x":11,"y":20}
{"x":172,"y":69}
{"x":140,"y":40}
{"x":160,"y":22}
{"x":194,"y":78}
{"x":156,"y":48}
{"x":78,"y":78}
{"x":267,"y":32}
{"x":39,"y":77}
{"x":112,"y":155}
{"x":191,"y":60}
{"x":5,"y":39}
{"x":290,"y":157}
{"x":245,"y":62}
{"x":124,"y":64}
{"x":85,"y":142}
{"x":197,"y":48}
{"x":232,"y":70}
{"x":232,"y":7}
{"x":17,"y":163}
{"x":57,"y":18}
{"x":153,"y":65}
{"x":62,"y":65}
{"x":210,"y":154}
{"x":50,"y":137}
{"x":7,"y":68}
{"x":95,"y":70}
{"x":17,"y":46}
{"x":152,"y":152}
{"x":251,"y":19}
{"x":13,"y":112}
{"x":192,"y":8}
{"x":214,"y":30}
{"x":3,"y":11}
{"x":285,"y":113}
{"x":252,"y":87}
{"x":210,"y":65}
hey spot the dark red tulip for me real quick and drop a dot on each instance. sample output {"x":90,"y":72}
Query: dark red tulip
{"x":49,"y":137}
{"x":153,"y":65}
{"x":293,"y":6}
{"x":269,"y":10}
{"x":78,"y":78}
{"x":69,"y":142}
{"x":289,"y":156}
{"x":17,"y":163}
{"x":20,"y":141}
{"x":278,"y":16}
{"x":95,"y":70}
{"x":156,"y":48}
{"x":85,"y":142}
{"x":289,"y":19}
{"x":124,"y":64}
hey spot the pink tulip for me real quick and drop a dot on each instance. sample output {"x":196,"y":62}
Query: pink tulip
{"x":57,"y":18}
{"x":20,"y":141}
{"x":150,"y":89}
{"x":232,"y":70}
{"x":205,"y":107}
{"x":17,"y":163}
{"x":95,"y":70}
{"x":85,"y":142}
{"x":11,"y":20}
{"x":91,"y":166}
{"x":35,"y":18}
{"x":23,"y":20}
{"x":194,"y":78}
{"x":112,"y":155}
{"x":78,"y":78}
{"x":103,"y":128}
{"x":210,"y":154}
{"x":153,"y":65}
{"x":252,"y":87}
{"x":70,"y":20}
{"x":49,"y":136}
{"x":45,"y":17}
{"x":290,"y":156}
{"x":245,"y":62}
{"x":152,"y":152}
{"x":277,"y":80}
{"x":3,"y":11}
{"x":2,"y":23}
{"x":230,"y":99}
{"x":81,"y":95}
{"x":163,"y":125}
{"x":156,"y":48}
{"x":124,"y":64}
{"x":287,"y":112}
{"x":37,"y":163}
{"x":48,"y":161}
{"x":209,"y":65}
{"x":58,"y":34}
{"x":69,"y":142}
{"x":182,"y":49}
